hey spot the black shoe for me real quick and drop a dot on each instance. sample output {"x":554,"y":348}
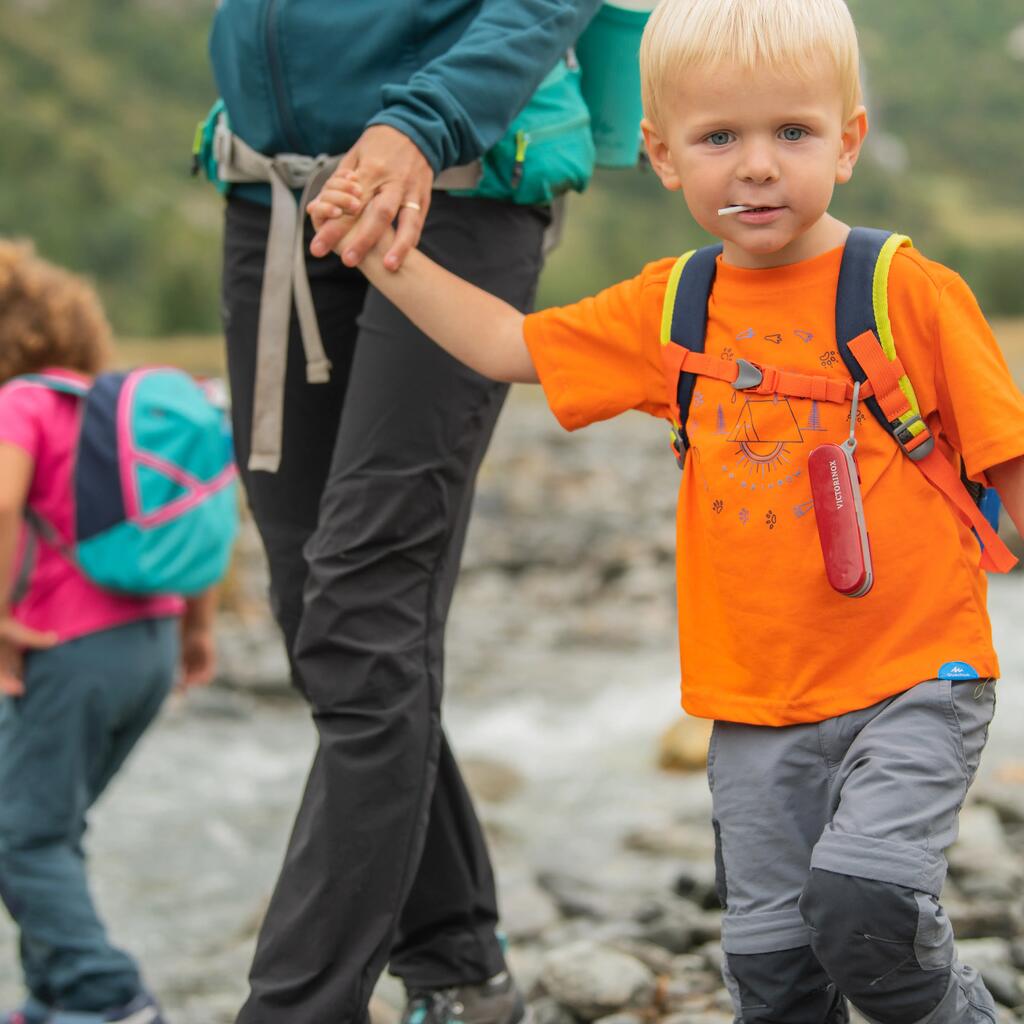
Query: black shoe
{"x":496,"y":1001}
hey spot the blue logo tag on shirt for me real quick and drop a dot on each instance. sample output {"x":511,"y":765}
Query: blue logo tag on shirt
{"x":957,"y":670}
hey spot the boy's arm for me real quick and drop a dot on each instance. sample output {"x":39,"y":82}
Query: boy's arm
{"x":1008,"y":480}
{"x":15,"y":477}
{"x":476,"y":328}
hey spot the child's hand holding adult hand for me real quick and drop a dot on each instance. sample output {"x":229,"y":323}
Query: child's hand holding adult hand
{"x":396,"y":176}
{"x":15,"y":639}
{"x":341,"y":200}
{"x":338,"y":207}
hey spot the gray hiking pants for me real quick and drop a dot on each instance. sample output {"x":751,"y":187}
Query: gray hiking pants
{"x":830,"y":842}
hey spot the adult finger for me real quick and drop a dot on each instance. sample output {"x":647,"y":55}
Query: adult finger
{"x":410,"y":226}
{"x":377,"y":218}
{"x":329,"y":234}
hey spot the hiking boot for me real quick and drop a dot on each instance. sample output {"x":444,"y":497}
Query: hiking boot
{"x":496,"y":1001}
{"x":143,"y":1009}
{"x":30,"y":1012}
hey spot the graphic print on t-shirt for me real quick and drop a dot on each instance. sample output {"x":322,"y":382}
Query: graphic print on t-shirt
{"x":764,"y":429}
{"x":763,"y":439}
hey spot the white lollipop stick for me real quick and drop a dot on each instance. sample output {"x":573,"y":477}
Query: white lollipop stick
{"x":726,"y":210}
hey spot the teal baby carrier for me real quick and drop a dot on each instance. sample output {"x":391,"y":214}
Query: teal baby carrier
{"x":156,"y":509}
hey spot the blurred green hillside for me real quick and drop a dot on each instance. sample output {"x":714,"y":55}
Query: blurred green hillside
{"x":101,"y":97}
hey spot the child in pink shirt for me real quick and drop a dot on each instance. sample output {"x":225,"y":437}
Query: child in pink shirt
{"x":83,"y":671}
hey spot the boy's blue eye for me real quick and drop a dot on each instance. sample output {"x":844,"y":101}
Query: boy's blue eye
{"x":720,"y":138}
{"x":793,"y":134}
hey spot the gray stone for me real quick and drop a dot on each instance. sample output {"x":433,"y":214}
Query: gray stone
{"x":713,"y":956}
{"x":621,"y":1018}
{"x":981,"y":860}
{"x":679,"y":928}
{"x":650,"y":954}
{"x":524,"y":963}
{"x":696,"y":882}
{"x":491,"y":780}
{"x":594,"y":981}
{"x":698,"y":1017}
{"x":983,"y":919}
{"x":526,"y":910}
{"x":549,"y":1011}
{"x":993,"y":961}
{"x":1006,"y":799}
{"x":579,"y":897}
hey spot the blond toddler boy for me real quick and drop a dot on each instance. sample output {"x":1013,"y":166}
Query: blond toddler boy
{"x":842,"y":750}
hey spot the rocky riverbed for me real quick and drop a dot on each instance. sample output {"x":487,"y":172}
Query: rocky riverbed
{"x":562,"y":684}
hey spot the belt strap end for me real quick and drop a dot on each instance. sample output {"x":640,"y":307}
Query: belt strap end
{"x":264,"y":462}
{"x":318,"y":371}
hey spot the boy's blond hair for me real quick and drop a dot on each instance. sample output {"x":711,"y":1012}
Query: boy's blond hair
{"x":781,"y":35}
{"x":49,"y":317}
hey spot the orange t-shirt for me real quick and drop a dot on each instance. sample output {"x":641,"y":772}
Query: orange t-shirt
{"x":764,"y":639}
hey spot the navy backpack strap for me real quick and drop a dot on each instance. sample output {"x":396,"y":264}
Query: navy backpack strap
{"x":855,"y":308}
{"x":862,"y":307}
{"x":689,"y":322}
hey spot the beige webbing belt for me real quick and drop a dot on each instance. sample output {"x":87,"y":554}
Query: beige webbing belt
{"x":284,"y":274}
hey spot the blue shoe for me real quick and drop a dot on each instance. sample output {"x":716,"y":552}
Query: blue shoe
{"x":30,"y":1012}
{"x":143,"y":1009}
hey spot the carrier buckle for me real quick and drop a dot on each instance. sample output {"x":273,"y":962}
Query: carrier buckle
{"x":901,"y":431}
{"x":678,"y":445}
{"x":748,"y":375}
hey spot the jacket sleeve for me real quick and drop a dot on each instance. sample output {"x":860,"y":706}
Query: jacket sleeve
{"x":460,"y":104}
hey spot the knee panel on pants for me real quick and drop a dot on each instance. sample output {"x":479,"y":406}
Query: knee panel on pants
{"x":786,"y":985}
{"x":887,"y":947}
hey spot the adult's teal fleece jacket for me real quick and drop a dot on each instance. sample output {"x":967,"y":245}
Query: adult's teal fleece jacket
{"x":308,"y":76}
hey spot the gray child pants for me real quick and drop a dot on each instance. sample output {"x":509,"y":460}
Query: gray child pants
{"x":86,"y":704}
{"x":830,"y":841}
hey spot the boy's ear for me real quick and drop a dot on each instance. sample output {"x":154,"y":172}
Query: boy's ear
{"x":660,"y":157}
{"x":854,"y":133}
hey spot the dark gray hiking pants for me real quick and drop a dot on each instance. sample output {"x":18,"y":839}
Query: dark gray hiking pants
{"x":363,"y":527}
{"x":830,"y":854}
{"x":87,"y":702}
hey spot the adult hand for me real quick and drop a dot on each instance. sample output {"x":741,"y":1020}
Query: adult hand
{"x":396,"y":181}
{"x":14,"y":640}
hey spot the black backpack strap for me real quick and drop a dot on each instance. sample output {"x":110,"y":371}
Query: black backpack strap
{"x":685,"y":320}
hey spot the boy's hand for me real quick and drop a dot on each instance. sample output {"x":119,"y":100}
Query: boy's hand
{"x":15,"y":639}
{"x":198,"y":657}
{"x":396,"y":175}
{"x":340,"y":198}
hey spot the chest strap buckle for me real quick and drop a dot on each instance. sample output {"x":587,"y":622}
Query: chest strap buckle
{"x":748,"y":375}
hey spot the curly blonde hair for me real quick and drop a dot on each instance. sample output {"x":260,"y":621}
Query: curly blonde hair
{"x":49,"y":317}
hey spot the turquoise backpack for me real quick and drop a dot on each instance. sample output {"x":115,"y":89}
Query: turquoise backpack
{"x":156,"y":508}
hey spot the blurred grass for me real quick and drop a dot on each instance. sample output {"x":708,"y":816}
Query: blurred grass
{"x":199,"y":354}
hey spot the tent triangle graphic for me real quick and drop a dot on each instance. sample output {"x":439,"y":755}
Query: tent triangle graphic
{"x":763,"y":421}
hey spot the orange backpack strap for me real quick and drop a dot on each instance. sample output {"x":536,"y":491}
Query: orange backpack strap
{"x":883,"y":376}
{"x":868,"y":347}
